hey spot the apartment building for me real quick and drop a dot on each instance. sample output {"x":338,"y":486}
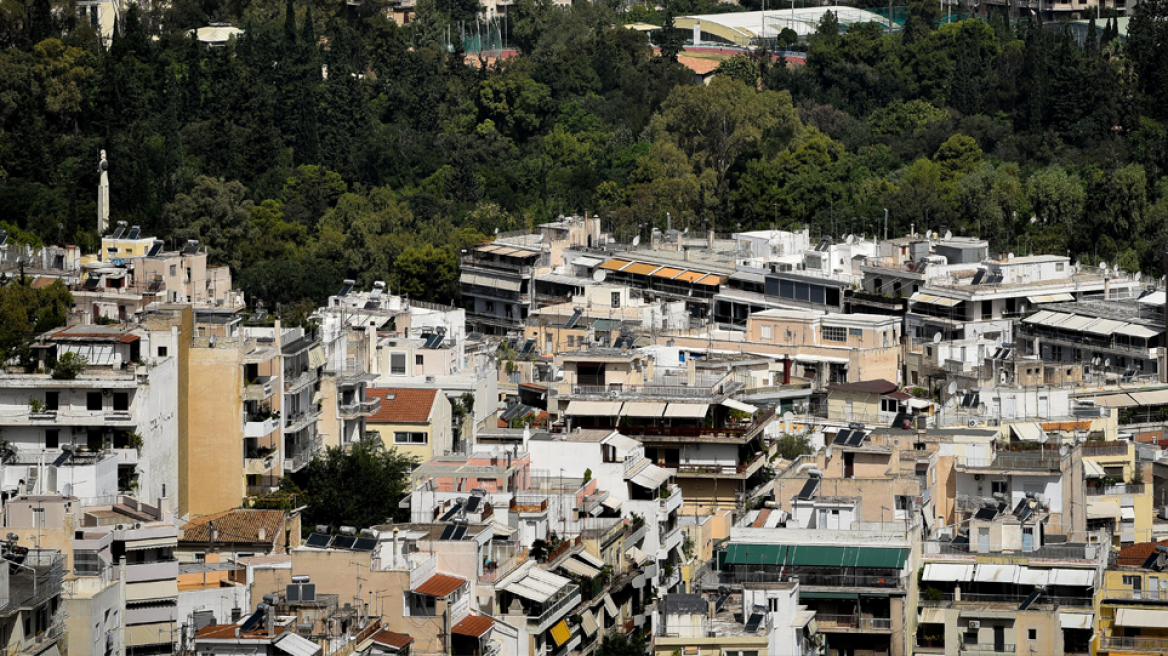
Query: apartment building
{"x":32,"y":617}
{"x":109,"y":427}
{"x":416,"y":422}
{"x":764,"y":619}
{"x":858,"y":582}
{"x":1119,"y":501}
{"x":1133,"y":602}
{"x":497,"y":282}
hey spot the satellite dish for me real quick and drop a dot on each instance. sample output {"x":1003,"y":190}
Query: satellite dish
{"x":952,"y":387}
{"x":936,"y":338}
{"x":948,"y":234}
{"x":496,"y":231}
{"x":1107,"y":362}
{"x":495,"y":452}
{"x":788,"y":417}
{"x":928,"y":234}
{"x":1063,"y":450}
{"x":685,"y":232}
{"x":1139,"y":274}
{"x":1164,"y":583}
{"x":599,"y":275}
{"x":637,"y":240}
{"x":850,"y":239}
{"x":1009,"y":256}
{"x":1043,"y":438}
{"x":1103,"y":266}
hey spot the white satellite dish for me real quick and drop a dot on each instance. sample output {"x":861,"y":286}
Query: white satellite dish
{"x":850,"y":239}
{"x":1139,"y":274}
{"x":1043,"y":438}
{"x":1103,"y":266}
{"x":1107,"y":362}
{"x":948,"y":234}
{"x":936,"y":338}
{"x":1009,"y":256}
{"x":599,"y":275}
{"x":952,"y":387}
{"x":928,"y":234}
{"x":1164,"y":583}
{"x":637,"y":240}
{"x":1063,"y":450}
{"x":788,"y":417}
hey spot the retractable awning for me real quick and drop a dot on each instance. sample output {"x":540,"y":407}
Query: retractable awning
{"x":1136,"y":330}
{"x":1076,"y":620}
{"x":1142,"y":618}
{"x":152,"y":543}
{"x":740,"y":406}
{"x":987,"y":573}
{"x":1028,"y":432}
{"x":651,"y":477}
{"x":578,"y":568}
{"x":948,"y":572}
{"x":1051,"y":298}
{"x":1039,"y":317}
{"x":1031,"y":576}
{"x":1092,"y":469}
{"x":588,"y":623}
{"x":687,"y":410}
{"x":611,"y":502}
{"x":538,"y":586}
{"x":1078,"y":577}
{"x":642,"y":409}
{"x":1104,"y":327}
{"x":1102,"y":508}
{"x":636,"y":555}
{"x":594,"y":408}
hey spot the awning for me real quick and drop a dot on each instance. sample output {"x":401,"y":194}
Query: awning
{"x":636,"y":555}
{"x":614,"y":265}
{"x":932,"y":616}
{"x":611,"y":502}
{"x":1092,"y":469}
{"x":1078,"y":577}
{"x":590,"y":559}
{"x":816,"y":556}
{"x":946,"y":302}
{"x":1031,"y":576}
{"x":316,"y":357}
{"x":1157,"y":397}
{"x":500,"y":283}
{"x":1028,"y":432}
{"x":502,"y":529}
{"x":1102,"y":508}
{"x":594,"y":408}
{"x":1140,"y":617}
{"x":538,"y":586}
{"x":687,"y":410}
{"x":642,"y":409}
{"x":919,"y":404}
{"x":152,"y":543}
{"x":987,"y":573}
{"x":1115,"y":401}
{"x":1104,"y":327}
{"x":1155,"y":298}
{"x":610,"y":607}
{"x":740,"y":406}
{"x":1136,"y":330}
{"x":578,"y":568}
{"x":1052,"y":298}
{"x":1039,"y":318}
{"x":588,"y":623}
{"x":621,"y":442}
{"x":921,"y":297}
{"x":652,"y":477}
{"x":1076,"y":322}
{"x":1076,"y":620}
{"x":1127,"y":514}
{"x":560,"y":633}
{"x":947,"y":572}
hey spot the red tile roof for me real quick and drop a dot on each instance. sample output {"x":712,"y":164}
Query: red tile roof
{"x":878,"y":386}
{"x":1137,"y":554}
{"x":473,"y":626}
{"x":402,"y":405}
{"x":699,"y":65}
{"x":397,"y":640}
{"x":240,"y":526}
{"x":440,"y":585}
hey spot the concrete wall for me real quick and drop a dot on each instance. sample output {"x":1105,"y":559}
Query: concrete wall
{"x":95,"y":617}
{"x":158,"y":424}
{"x":214,"y":478}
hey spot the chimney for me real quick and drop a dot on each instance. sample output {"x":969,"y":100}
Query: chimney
{"x":393,"y":553}
{"x":691,"y":371}
{"x":710,"y":239}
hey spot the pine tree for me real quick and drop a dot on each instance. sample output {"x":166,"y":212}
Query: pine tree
{"x":669,"y":39}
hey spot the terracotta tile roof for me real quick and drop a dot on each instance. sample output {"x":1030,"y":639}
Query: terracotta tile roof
{"x":473,"y":626}
{"x":878,"y":386}
{"x":440,"y":585}
{"x":699,"y":65}
{"x":397,"y":640}
{"x":400,"y":405}
{"x":1137,"y":554}
{"x":240,"y":526}
{"x":227,"y":632}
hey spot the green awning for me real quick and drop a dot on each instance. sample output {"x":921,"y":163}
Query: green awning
{"x":816,"y":556}
{"x":755,"y":554}
{"x":804,"y":594}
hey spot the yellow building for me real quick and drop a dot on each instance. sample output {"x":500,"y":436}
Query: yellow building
{"x":875,"y":402}
{"x":416,"y":422}
{"x":1117,"y":497}
{"x":1133,"y":602}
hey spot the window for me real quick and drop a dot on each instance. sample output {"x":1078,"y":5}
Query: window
{"x":418,"y":360}
{"x":409,"y":438}
{"x":766,"y":332}
{"x":93,"y":401}
{"x":1133,"y":582}
{"x":397,"y":364}
{"x":856,"y":332}
{"x":1000,"y":487}
{"x":162,"y":351}
{"x":1057,"y":267}
{"x":174,"y":269}
{"x":38,"y":517}
{"x":887,"y":405}
{"x":86,"y":563}
{"x":121,"y":401}
{"x":52,"y":438}
{"x":1033,"y":633}
{"x":834,"y":334}
{"x":616,"y":300}
{"x":571,"y":341}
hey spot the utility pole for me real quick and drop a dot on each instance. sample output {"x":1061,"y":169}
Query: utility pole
{"x":885,"y":224}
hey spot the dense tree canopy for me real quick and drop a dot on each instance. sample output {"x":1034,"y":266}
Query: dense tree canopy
{"x":327,"y":142}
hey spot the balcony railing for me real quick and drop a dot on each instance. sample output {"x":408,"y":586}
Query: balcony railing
{"x":1150,"y":645}
{"x":948,"y":599}
{"x":555,"y":611}
{"x":654,"y":391}
{"x":1158,"y":594}
{"x":1115,"y":490}
{"x":853,"y":622}
{"x":359,"y":409}
{"x":260,"y":465}
{"x":813,"y":579}
{"x":293,"y":384}
{"x":1105,"y":449}
{"x":300,"y":421}
{"x":976,"y":648}
{"x":1014,"y":460}
{"x":672,"y":502}
{"x":1056,"y":551}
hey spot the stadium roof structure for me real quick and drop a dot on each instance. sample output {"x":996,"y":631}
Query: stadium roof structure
{"x":743,"y":28}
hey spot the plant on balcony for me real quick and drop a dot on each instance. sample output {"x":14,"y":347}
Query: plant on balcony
{"x":1137,"y":478}
{"x":930,"y":639}
{"x":587,"y":476}
{"x":663,"y":492}
{"x":637,"y":523}
{"x":69,"y":366}
{"x":36,"y":406}
{"x":932,"y":594}
{"x":687,"y":547}
{"x":790,"y":446}
{"x":135,"y":441}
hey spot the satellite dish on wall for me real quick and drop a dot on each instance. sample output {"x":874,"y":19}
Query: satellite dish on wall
{"x":637,"y":240}
{"x":948,"y":234}
{"x":928,"y":234}
{"x":952,"y":387}
{"x":936,"y":338}
{"x":1103,"y":266}
{"x":599,"y":275}
{"x":850,"y":239}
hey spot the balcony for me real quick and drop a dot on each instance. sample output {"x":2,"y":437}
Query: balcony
{"x":974,"y":649}
{"x":163,"y":570}
{"x":554,"y":612}
{"x":1145,"y":645}
{"x":127,"y":456}
{"x":359,"y":409}
{"x":260,"y":465}
{"x":670,"y":503}
{"x":257,"y":427}
{"x":669,"y":541}
{"x":299,"y":455}
{"x":1159,"y":594}
{"x":700,"y":390}
{"x":948,"y":600}
{"x":1078,"y":551}
{"x":294,"y":384}
{"x":847,"y":623}
{"x":259,"y":390}
{"x":1115,"y":490}
{"x":72,"y":417}
{"x":717,"y":471}
{"x":299,"y":422}
{"x":352,"y":375}
{"x":1020,"y":460}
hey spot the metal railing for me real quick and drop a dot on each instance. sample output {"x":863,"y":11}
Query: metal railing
{"x":987,"y":649}
{"x":1139,"y":595}
{"x":947,"y":599}
{"x":697,"y":391}
{"x":359,"y":409}
{"x":853,"y":622}
{"x":1054,"y":551}
{"x":1014,"y":460}
{"x":753,"y":575}
{"x":1105,"y":449}
{"x":566,"y":602}
{"x":1134,"y":643}
{"x":1116,"y":490}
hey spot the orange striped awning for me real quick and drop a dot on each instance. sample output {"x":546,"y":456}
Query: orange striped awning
{"x":712,"y":280}
{"x":614,"y":265}
{"x":690,"y":276}
{"x":666,"y":272}
{"x":641,"y":268}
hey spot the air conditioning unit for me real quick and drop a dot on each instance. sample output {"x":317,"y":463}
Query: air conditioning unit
{"x":974,"y":625}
